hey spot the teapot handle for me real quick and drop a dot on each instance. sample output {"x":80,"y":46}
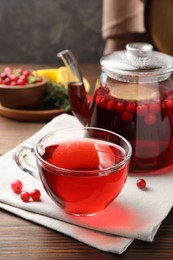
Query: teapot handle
{"x":23,"y":155}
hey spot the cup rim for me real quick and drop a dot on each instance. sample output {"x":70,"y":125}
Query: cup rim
{"x":84,"y":173}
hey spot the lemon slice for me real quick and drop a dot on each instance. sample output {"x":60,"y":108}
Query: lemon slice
{"x":133,"y":92}
{"x":59,"y":75}
{"x":50,"y":74}
{"x":62,"y":77}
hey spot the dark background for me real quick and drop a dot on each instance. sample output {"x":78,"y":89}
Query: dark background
{"x":33,"y":31}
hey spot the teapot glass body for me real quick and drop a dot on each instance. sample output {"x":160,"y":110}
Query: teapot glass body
{"x":134,"y":98}
{"x":143,"y":114}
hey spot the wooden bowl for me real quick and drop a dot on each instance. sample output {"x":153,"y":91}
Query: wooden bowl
{"x":23,"y":97}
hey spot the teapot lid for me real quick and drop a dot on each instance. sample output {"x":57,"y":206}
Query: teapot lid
{"x":138,"y":63}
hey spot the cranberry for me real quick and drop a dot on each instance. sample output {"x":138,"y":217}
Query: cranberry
{"x":126,"y":116}
{"x":14,"y":77}
{"x":21,"y":82}
{"x":131,"y":107}
{"x":141,"y":184}
{"x":8,"y":71}
{"x":35,"y":194}
{"x":7,"y":81}
{"x":17,"y":186}
{"x":154,"y":108}
{"x":102,"y":90}
{"x":97,"y":99}
{"x":142,"y":110}
{"x":110,"y":105}
{"x":27,"y":73}
{"x":101,"y":101}
{"x":150,"y":119}
{"x":23,"y":77}
{"x":25,"y":196}
{"x":120,"y":107}
{"x":3,"y":75}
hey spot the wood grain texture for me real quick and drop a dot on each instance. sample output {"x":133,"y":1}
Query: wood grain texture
{"x":159,"y":20}
{"x":21,"y":239}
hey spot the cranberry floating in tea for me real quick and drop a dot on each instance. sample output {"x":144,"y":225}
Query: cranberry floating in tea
{"x":134,"y":98}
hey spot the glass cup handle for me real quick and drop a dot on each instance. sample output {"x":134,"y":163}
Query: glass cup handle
{"x":23,"y":156}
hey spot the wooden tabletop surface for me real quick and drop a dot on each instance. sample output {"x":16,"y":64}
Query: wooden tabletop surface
{"x":21,"y":239}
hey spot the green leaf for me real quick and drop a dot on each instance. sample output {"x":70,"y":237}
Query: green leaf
{"x":16,"y":72}
{"x":56,"y":97}
{"x":32,"y":79}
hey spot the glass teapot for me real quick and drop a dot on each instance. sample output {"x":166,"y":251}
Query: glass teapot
{"x":134,"y":98}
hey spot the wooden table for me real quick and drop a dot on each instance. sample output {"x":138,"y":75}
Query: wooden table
{"x":21,"y":239}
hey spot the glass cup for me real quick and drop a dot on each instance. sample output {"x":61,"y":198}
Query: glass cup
{"x":82,"y":169}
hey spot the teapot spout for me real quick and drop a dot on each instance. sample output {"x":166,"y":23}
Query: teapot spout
{"x":71,"y":65}
{"x":80,"y":105}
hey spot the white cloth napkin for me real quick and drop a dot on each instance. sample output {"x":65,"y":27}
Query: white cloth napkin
{"x":135,"y":214}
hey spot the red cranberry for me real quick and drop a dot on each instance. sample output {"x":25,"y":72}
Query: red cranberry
{"x":142,"y":110}
{"x":154,"y":108}
{"x":126,"y":116}
{"x":102,"y":90}
{"x":120,"y":107}
{"x":97,"y":99}
{"x":25,"y":196}
{"x":101,"y":101}
{"x":131,"y":107}
{"x":141,"y":184}
{"x":17,"y":186}
{"x":150,"y":119}
{"x":27,"y":73}
{"x":35,"y":194}
{"x":8,"y":71}
{"x":7,"y":81}
{"x":23,"y":77}
{"x":110,"y":105}
{"x":14,"y":77}
{"x":21,"y":82}
{"x":3,"y":75}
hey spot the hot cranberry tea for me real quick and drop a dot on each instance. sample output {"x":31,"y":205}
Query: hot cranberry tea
{"x":82,"y":169}
{"x":89,"y":190}
{"x":147,"y":123}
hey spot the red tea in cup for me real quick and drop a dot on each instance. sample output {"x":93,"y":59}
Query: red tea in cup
{"x":86,"y":191}
{"x":85,"y":171}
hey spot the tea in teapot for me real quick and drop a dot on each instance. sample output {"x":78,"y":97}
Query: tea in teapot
{"x":134,"y":98}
